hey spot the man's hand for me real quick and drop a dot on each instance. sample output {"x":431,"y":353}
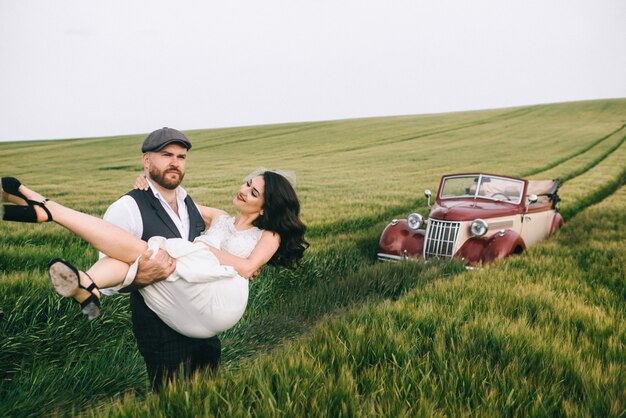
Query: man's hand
{"x":152,"y":271}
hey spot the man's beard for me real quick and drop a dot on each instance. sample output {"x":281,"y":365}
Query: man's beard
{"x":159,"y":178}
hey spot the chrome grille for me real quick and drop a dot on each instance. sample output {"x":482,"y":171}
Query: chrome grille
{"x":441,"y":238}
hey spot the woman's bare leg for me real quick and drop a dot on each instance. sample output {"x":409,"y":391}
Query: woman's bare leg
{"x":108,"y":272}
{"x":103,"y":236}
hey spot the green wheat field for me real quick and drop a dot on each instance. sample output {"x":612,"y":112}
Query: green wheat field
{"x":540,"y":334}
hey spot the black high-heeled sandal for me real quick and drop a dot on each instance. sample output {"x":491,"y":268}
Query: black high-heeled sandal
{"x":66,"y":280}
{"x":18,"y":213}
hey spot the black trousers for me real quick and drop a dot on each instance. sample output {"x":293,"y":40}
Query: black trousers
{"x":164,"y":350}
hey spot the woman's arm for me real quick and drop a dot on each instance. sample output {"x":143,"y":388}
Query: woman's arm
{"x":209,"y":214}
{"x":262,"y":253}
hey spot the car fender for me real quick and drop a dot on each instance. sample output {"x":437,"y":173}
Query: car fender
{"x":557,"y":223}
{"x":486,"y":250}
{"x":399,"y":240}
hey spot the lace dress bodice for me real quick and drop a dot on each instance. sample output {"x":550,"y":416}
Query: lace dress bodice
{"x":223,"y":235}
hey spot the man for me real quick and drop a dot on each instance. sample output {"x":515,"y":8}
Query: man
{"x":164,"y":209}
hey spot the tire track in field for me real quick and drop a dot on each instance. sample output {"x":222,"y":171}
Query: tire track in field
{"x":594,"y":163}
{"x":596,"y":197}
{"x":607,"y":187}
{"x":578,"y":153}
{"x":398,"y":140}
{"x":287,"y":131}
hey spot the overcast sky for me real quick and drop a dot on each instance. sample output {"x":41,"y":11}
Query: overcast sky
{"x":83,"y":68}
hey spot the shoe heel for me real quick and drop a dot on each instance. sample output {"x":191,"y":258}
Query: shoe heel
{"x":91,"y":310}
{"x":19,"y":214}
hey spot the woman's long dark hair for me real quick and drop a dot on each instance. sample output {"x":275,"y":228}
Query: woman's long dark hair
{"x":281,"y":214}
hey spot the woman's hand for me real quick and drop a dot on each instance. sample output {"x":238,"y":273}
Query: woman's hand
{"x":254,"y":275}
{"x":141,"y":183}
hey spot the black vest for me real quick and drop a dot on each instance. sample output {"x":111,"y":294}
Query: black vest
{"x":156,"y":221}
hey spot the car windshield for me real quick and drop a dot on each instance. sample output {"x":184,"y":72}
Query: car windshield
{"x":480,"y":185}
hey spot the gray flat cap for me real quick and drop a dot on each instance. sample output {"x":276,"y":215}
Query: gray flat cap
{"x":162,"y":137}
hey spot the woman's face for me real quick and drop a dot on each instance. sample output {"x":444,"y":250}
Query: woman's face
{"x":249,"y":200}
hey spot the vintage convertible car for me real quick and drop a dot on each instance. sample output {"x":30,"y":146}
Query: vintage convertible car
{"x":478,"y":218}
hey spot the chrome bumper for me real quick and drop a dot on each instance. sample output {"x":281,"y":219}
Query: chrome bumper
{"x":389,"y":257}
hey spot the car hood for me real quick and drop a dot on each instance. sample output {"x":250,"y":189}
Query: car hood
{"x":470,"y":209}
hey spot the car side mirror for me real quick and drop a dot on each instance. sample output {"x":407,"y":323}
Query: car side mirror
{"x":428,"y":193}
{"x":532,"y":198}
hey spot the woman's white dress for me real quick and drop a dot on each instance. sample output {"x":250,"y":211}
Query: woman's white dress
{"x":202,"y":298}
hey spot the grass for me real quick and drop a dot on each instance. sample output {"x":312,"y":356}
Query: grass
{"x":528,"y":336}
{"x":541,"y":334}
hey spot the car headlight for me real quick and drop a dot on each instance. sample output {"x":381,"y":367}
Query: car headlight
{"x":415,"y":220}
{"x":478,"y":228}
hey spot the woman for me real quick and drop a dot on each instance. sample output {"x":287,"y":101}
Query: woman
{"x":213,"y":292}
